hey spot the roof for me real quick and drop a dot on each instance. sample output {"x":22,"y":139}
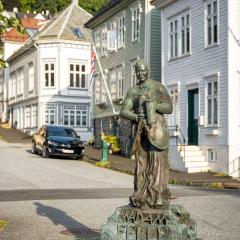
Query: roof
{"x":28,"y":23}
{"x":65,"y":26}
{"x":62,"y":27}
{"x":107,"y":11}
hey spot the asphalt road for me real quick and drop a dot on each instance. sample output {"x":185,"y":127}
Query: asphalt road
{"x":55,"y":199}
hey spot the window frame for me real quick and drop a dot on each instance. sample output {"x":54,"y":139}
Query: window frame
{"x":79,"y":73}
{"x":97,"y":87}
{"x":175,"y":37}
{"x":75,"y":111}
{"x":121,"y":31}
{"x":20,"y":81}
{"x":51,"y":110}
{"x":212,"y":155}
{"x":210,"y":98}
{"x":49,"y":71}
{"x":120,"y":81}
{"x":136,"y":22}
{"x":210,"y":17}
{"x":31,"y":77}
{"x":174,"y":93}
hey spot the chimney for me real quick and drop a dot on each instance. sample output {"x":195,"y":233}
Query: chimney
{"x":47,"y":12}
{"x":15,"y":10}
{"x":43,"y":13}
{"x":34,"y":12}
{"x":28,"y":12}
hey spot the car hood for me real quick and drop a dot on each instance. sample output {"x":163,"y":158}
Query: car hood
{"x":65,"y":140}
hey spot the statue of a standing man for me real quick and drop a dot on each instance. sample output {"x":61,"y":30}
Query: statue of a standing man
{"x":145,"y":105}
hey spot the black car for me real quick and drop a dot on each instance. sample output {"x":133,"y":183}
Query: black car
{"x":57,"y":140}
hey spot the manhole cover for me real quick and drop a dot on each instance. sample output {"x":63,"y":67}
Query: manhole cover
{"x":93,"y":234}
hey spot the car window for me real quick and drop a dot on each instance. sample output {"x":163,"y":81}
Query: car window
{"x":62,"y":132}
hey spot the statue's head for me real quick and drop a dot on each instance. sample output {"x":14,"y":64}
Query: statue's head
{"x":142,"y":71}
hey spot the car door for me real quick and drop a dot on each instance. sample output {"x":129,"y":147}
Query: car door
{"x":41,"y":138}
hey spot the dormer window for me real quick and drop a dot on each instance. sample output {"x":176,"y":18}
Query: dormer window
{"x":77,"y":32}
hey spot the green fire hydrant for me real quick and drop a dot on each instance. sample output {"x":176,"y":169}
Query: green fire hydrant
{"x":104,"y":161}
{"x":104,"y":150}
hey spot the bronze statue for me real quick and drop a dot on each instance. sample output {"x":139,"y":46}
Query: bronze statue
{"x":145,"y":105}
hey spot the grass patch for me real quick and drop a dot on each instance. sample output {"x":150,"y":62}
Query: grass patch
{"x":221,"y":174}
{"x":3,"y":139}
{"x":3,"y":224}
{"x":215,"y":185}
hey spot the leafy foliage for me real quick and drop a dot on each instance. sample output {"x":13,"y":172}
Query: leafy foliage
{"x":93,"y":6}
{"x":6,"y":23}
{"x":54,"y":6}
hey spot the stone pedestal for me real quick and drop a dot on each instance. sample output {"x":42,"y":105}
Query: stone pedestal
{"x":166,"y":223}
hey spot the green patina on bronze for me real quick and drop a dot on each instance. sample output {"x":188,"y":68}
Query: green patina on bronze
{"x":149,"y":215}
{"x":145,"y":105}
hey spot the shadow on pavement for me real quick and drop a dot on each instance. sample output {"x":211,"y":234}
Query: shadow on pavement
{"x":73,"y":227}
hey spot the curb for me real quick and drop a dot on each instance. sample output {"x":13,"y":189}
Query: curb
{"x":211,"y":185}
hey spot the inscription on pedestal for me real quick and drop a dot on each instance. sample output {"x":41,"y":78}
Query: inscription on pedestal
{"x":129,"y":223}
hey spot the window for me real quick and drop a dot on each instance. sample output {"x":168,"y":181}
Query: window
{"x":1,"y":84}
{"x":77,"y":75}
{"x":121,"y":31}
{"x":98,"y":41}
{"x":113,"y":85}
{"x":179,"y":36}
{"x":49,"y":74}
{"x":104,"y":41}
{"x":20,"y":81}
{"x":50,"y":114}
{"x":31,"y":76}
{"x":27,"y":117}
{"x":75,"y":115}
{"x":212,"y":155}
{"x":120,"y":79}
{"x":12,"y":85}
{"x":212,"y":102}
{"x":97,"y":89}
{"x":185,"y":34}
{"x":133,"y":73}
{"x":173,"y":119}
{"x":136,"y":23}
{"x":103,"y":90}
{"x":34,"y":116}
{"x":211,"y":23}
{"x":77,"y":32}
{"x":112,"y":36}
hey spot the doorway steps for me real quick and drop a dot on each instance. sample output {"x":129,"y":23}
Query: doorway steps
{"x":193,"y":158}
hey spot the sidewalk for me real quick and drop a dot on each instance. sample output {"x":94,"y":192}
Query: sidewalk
{"x":126,"y":165}
{"x":202,"y":179}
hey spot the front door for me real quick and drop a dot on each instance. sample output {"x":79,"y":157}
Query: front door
{"x":193,"y":113}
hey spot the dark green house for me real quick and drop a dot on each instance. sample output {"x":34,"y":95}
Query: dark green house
{"x":124,"y":31}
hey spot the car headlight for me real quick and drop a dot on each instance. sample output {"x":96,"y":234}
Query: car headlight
{"x":53,"y":143}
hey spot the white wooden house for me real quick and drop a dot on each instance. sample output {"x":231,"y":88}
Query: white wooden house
{"x":49,"y":76}
{"x":201,"y":68}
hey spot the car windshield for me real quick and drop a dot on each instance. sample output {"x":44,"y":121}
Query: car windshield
{"x":61,"y":132}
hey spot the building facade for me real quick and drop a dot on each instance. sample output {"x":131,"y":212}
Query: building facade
{"x":123,"y":33}
{"x":49,"y":76}
{"x":200,"y":62}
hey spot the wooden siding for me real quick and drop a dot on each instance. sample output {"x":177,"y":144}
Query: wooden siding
{"x":234,"y":71}
{"x":201,"y":62}
{"x":155,"y":45}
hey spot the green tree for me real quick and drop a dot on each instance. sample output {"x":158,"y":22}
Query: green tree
{"x":54,"y":6}
{"x":6,"y":23}
{"x":93,"y":6}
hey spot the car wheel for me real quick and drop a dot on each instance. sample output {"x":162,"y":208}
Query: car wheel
{"x":34,"y":150}
{"x":45,"y":153}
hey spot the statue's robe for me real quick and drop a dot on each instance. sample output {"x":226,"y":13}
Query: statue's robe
{"x":151,"y":142}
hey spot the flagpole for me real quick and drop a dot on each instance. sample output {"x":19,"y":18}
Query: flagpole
{"x":104,"y":80}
